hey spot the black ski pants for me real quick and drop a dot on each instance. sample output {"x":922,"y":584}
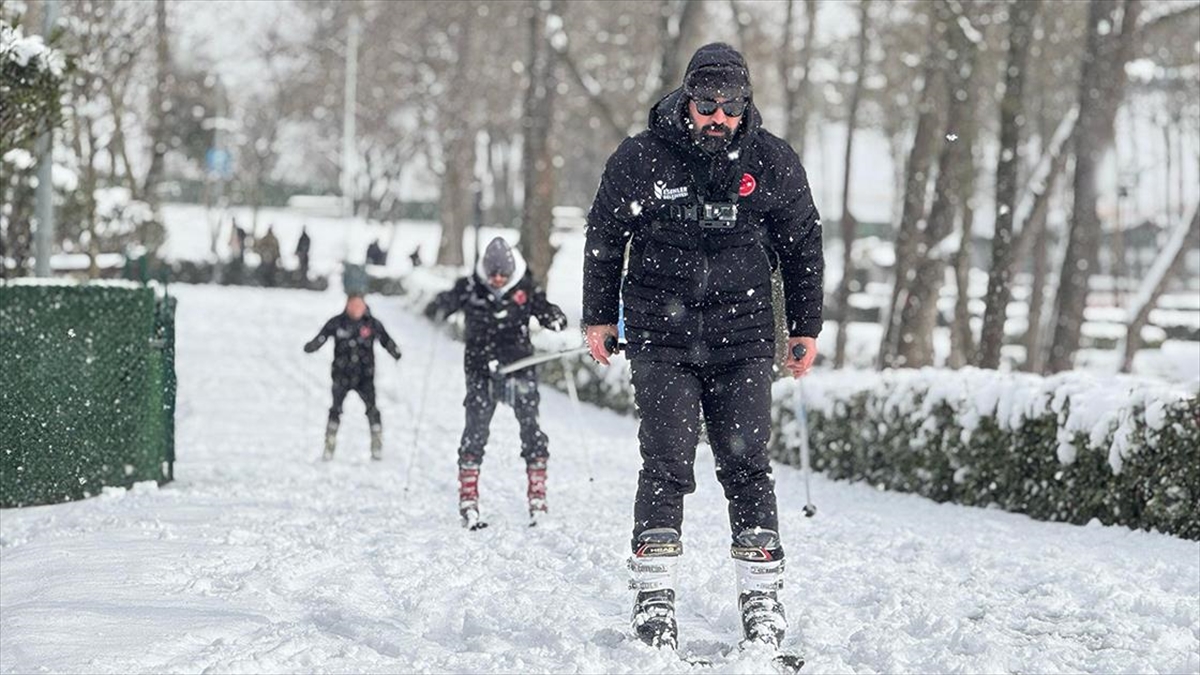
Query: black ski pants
{"x":519,"y":390}
{"x":735,"y":399}
{"x":364,"y":385}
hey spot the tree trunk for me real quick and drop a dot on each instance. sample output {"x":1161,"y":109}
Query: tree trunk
{"x":1036,"y":200}
{"x":962,"y":338}
{"x":785,"y":66}
{"x":162,"y":84}
{"x":1169,"y":263}
{"x":1101,"y":90}
{"x":454,"y":201}
{"x":1040,"y":236}
{"x":916,"y":185}
{"x":918,"y":315}
{"x":794,"y":75}
{"x":458,"y":148}
{"x":116,"y":146}
{"x":848,"y":223}
{"x":678,"y":19}
{"x":502,"y":205}
{"x":1011,"y":114}
{"x":798,"y":114}
{"x":742,"y":25}
{"x":538,"y":156}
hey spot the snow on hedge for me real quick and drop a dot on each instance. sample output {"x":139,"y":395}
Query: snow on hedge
{"x":1072,"y":447}
{"x":1082,"y":402}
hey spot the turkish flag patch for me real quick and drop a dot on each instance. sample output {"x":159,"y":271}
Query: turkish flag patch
{"x":747,"y":185}
{"x":520,"y":297}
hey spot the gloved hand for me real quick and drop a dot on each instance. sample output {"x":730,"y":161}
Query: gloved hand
{"x":313,"y":345}
{"x":395,"y":353}
{"x":558,"y":322}
{"x":433,"y":312}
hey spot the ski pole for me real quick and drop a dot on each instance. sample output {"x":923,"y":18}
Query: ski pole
{"x":520,"y":364}
{"x":569,"y":377}
{"x":416,"y":449}
{"x":798,"y":351}
{"x":612,"y":346}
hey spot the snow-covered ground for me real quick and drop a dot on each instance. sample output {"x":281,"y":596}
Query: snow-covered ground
{"x":261,"y":558}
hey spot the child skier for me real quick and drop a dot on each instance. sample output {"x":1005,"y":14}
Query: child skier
{"x":497,"y":302}
{"x":354,"y":332}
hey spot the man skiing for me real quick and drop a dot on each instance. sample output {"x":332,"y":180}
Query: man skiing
{"x":354,"y":332}
{"x":710,"y":203}
{"x":497,"y":302}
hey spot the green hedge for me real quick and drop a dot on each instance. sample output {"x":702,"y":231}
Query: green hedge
{"x":1070,"y":448}
{"x":1067,"y":448}
{"x":89,"y":389}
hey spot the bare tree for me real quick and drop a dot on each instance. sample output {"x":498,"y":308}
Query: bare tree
{"x":677,"y":20}
{"x":538,"y":154}
{"x":848,"y":223}
{"x":918,"y":316}
{"x":1111,"y":31}
{"x":458,"y":150}
{"x":796,"y":85}
{"x":1011,"y":120}
{"x":158,"y":97}
{"x":918,"y":173}
{"x":1184,"y":238}
{"x":674,"y":22}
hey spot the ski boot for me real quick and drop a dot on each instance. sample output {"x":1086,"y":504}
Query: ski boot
{"x":653,"y":567}
{"x":758,"y":558}
{"x":468,"y":494}
{"x":331,"y":429}
{"x":536,"y":470}
{"x":376,"y":442}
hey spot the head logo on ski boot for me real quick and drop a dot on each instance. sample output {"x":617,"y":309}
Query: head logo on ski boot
{"x":758,"y":558}
{"x":653,"y":569}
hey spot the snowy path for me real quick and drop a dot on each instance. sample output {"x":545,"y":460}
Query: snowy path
{"x":261,"y":558}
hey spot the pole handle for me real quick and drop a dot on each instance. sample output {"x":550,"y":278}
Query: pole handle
{"x":611,"y":345}
{"x":798,"y":351}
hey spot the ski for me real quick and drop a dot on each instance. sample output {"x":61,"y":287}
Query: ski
{"x":782,"y":662}
{"x":471,"y":520}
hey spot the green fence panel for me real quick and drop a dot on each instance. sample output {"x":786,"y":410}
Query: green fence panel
{"x":87,"y":390}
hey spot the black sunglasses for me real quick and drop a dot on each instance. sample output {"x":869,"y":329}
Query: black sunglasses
{"x":732,"y":108}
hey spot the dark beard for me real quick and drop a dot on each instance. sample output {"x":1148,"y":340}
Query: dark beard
{"x":710,"y":143}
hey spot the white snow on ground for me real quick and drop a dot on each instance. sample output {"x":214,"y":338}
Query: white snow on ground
{"x":261,"y":558}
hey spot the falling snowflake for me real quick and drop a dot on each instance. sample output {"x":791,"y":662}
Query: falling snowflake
{"x":952,"y":137}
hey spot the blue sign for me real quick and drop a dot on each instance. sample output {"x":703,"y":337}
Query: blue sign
{"x":219,"y":162}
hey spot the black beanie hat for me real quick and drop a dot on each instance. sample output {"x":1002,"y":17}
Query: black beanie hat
{"x":717,"y":70}
{"x":498,"y":258}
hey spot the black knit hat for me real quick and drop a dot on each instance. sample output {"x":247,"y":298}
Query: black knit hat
{"x":717,"y":70}
{"x":498,"y":258}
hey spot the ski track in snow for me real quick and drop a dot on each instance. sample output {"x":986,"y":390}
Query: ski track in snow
{"x":262,"y":558}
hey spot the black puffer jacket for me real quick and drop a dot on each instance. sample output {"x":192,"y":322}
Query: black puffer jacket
{"x":354,"y":345}
{"x":497,"y":321}
{"x":693,"y":294}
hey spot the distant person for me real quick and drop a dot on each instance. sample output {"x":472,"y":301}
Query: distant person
{"x":375,"y":254}
{"x":237,"y":242}
{"x":497,"y":302}
{"x":267,"y":248}
{"x":302,"y":246}
{"x":415,"y":257}
{"x":354,"y":332}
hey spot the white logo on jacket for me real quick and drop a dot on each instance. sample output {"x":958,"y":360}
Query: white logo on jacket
{"x":661,"y":191}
